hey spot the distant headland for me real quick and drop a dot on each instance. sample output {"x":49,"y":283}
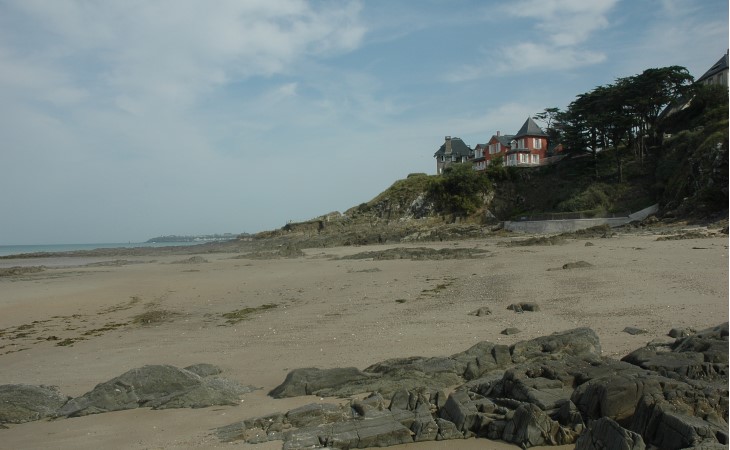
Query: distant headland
{"x":194,"y":238}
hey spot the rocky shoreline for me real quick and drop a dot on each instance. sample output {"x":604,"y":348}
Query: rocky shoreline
{"x":552,"y":390}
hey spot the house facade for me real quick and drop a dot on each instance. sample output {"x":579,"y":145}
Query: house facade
{"x":529,"y":147}
{"x":454,"y":150}
{"x":497,"y":147}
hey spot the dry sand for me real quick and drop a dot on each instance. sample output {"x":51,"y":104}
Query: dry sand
{"x":329,"y":313}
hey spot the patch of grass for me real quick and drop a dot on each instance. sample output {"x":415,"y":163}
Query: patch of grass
{"x":238,"y":315}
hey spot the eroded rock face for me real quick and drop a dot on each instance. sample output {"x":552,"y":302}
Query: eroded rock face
{"x":553,"y":390}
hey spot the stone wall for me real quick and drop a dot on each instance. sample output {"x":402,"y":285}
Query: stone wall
{"x":562,"y":226}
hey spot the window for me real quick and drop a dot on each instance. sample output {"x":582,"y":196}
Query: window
{"x":538,"y":143}
{"x":535,"y":159}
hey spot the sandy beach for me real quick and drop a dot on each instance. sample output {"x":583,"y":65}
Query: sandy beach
{"x":77,"y":326}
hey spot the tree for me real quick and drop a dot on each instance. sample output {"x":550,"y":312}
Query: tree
{"x":648,"y":94}
{"x":459,"y":190}
{"x":549,"y":117}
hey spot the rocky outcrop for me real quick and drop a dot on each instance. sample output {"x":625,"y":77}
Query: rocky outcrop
{"x":606,"y":434}
{"x":553,"y":390}
{"x":25,"y":403}
{"x":154,"y":386}
{"x":703,"y":355}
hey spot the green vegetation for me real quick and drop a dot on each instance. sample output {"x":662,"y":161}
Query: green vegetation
{"x":459,"y":191}
{"x":653,"y":137}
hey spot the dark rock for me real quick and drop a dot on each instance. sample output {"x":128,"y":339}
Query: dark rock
{"x":460,"y":410}
{"x":679,"y":333}
{"x":589,"y":244}
{"x":524,"y":306}
{"x":634,"y":331}
{"x":315,"y":414}
{"x":21,"y":403}
{"x":535,"y":384}
{"x":367,"y":406}
{"x":530,"y":426}
{"x":568,"y":415}
{"x":312,"y":381}
{"x":616,"y":393}
{"x":536,"y":392}
{"x":447,"y":430}
{"x":424,"y":427}
{"x":510,"y":331}
{"x":381,"y":431}
{"x":577,"y":265}
{"x":674,"y":426}
{"x":579,"y":341}
{"x":157,"y":387}
{"x":400,"y":400}
{"x":515,"y":307}
{"x":606,"y":434}
{"x":700,"y":356}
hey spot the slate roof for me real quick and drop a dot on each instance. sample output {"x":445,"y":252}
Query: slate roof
{"x":504,"y":139}
{"x":719,"y":66}
{"x":458,"y":148}
{"x":530,"y":128}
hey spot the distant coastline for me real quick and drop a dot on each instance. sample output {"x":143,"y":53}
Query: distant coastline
{"x":7,"y":250}
{"x":198,"y":238}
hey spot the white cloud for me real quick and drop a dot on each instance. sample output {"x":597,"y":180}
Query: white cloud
{"x":164,"y":55}
{"x":528,"y":56}
{"x":565,"y":22}
{"x":553,"y":37}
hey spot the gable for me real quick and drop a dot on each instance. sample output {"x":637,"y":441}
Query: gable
{"x":530,"y":128}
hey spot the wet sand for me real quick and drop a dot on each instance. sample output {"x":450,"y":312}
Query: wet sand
{"x":74,"y":327}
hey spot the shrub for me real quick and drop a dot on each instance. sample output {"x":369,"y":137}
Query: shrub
{"x":459,"y":191}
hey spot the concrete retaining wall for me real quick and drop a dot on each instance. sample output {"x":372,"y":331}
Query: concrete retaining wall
{"x":562,"y":226}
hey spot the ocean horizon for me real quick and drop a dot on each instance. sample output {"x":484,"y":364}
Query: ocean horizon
{"x":7,"y":250}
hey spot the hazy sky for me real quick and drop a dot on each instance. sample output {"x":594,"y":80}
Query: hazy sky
{"x":124,"y":120}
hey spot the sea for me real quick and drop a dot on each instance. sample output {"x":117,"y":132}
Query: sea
{"x":6,"y":250}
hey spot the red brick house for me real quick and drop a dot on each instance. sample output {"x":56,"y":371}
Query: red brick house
{"x":528,"y":147}
{"x":498,"y":146}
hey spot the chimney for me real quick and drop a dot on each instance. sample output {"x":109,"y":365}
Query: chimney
{"x":497,"y":133}
{"x":448,"y":144}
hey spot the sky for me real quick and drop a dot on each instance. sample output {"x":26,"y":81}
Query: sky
{"x":122,"y":120}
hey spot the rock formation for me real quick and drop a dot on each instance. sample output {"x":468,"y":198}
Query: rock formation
{"x":553,"y":390}
{"x":153,"y":386}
